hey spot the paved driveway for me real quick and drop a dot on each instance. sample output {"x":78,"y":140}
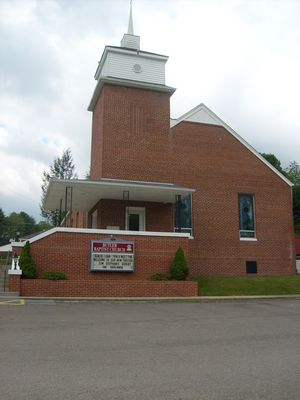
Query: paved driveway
{"x":210,"y":351}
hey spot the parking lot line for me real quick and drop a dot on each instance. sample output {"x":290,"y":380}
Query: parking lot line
{"x":18,"y":302}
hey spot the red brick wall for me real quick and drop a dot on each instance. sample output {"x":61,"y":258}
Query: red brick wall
{"x":70,"y":253}
{"x":130,"y":128}
{"x":76,"y":219}
{"x":97,"y":139}
{"x":111,"y":288}
{"x":223,"y":167}
{"x":209,"y":159}
{"x":158,"y":216}
{"x":14,"y":283}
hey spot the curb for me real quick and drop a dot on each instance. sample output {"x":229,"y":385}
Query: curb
{"x":198,"y":299}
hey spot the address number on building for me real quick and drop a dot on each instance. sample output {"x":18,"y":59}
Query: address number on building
{"x":112,"y":256}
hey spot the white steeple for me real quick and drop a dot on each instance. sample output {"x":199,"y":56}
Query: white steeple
{"x":130,"y":23}
{"x":130,"y":40}
{"x":129,"y":66}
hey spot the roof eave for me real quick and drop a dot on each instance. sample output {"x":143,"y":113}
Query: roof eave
{"x":127,"y":83}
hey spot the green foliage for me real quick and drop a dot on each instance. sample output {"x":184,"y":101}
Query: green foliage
{"x":61,"y":168}
{"x":26,"y":263}
{"x":19,"y":225}
{"x":178,"y":268}
{"x":3,"y":235}
{"x":42,"y":226}
{"x":160,"y":276}
{"x":53,"y":275}
{"x":293,"y":173}
{"x":273,"y":160}
{"x":296,"y":208}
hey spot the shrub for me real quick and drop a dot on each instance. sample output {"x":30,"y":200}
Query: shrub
{"x":178,"y":268}
{"x":53,"y":275}
{"x":26,"y":263}
{"x":160,"y":276}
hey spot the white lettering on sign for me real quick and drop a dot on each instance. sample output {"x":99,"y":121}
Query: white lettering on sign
{"x":109,"y":262}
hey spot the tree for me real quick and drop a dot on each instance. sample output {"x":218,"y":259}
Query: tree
{"x":296,"y":208}
{"x":3,"y":234}
{"x":42,"y":226}
{"x":15,"y":226}
{"x":26,"y":263}
{"x":273,"y":160}
{"x":61,"y":168}
{"x":19,"y":225}
{"x":178,"y":268}
{"x":293,"y":172}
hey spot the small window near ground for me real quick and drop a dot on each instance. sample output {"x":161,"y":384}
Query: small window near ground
{"x":246,"y":216}
{"x":251,"y":267}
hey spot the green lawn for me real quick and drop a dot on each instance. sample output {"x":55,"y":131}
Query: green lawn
{"x":247,"y":286}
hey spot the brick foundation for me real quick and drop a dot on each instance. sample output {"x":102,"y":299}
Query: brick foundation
{"x":108,"y":288}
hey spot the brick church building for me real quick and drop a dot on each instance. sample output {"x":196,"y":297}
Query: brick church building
{"x":162,"y":182}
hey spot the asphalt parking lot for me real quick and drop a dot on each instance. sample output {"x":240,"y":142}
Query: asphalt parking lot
{"x":185,"y":351}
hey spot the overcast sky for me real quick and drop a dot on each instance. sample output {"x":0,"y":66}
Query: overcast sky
{"x":239,"y":57}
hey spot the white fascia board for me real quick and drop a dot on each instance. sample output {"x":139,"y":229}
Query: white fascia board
{"x":201,"y":107}
{"x":126,"y":83}
{"x":220,"y":122}
{"x":133,"y":184}
{"x":102,"y":232}
{"x":169,"y":187}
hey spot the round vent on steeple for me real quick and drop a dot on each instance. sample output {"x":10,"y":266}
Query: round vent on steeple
{"x":137,"y":68}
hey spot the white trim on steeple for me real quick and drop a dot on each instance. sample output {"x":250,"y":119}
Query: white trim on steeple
{"x":201,"y":114}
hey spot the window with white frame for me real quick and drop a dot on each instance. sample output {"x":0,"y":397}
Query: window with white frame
{"x":246,"y":216}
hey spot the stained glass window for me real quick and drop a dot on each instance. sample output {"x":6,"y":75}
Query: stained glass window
{"x":183,"y":214}
{"x":246,"y":216}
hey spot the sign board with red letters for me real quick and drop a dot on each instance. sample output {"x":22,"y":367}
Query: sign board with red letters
{"x":112,"y":255}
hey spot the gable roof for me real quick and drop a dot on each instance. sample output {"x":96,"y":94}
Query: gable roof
{"x":201,"y":114}
{"x":6,"y":248}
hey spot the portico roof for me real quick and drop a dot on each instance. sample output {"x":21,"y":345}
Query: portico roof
{"x":82,"y":195}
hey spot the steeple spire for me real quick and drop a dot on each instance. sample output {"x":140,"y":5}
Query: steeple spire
{"x":130,"y":23}
{"x":130,"y":40}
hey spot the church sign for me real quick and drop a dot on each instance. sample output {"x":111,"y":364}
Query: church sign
{"x":112,"y":255}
